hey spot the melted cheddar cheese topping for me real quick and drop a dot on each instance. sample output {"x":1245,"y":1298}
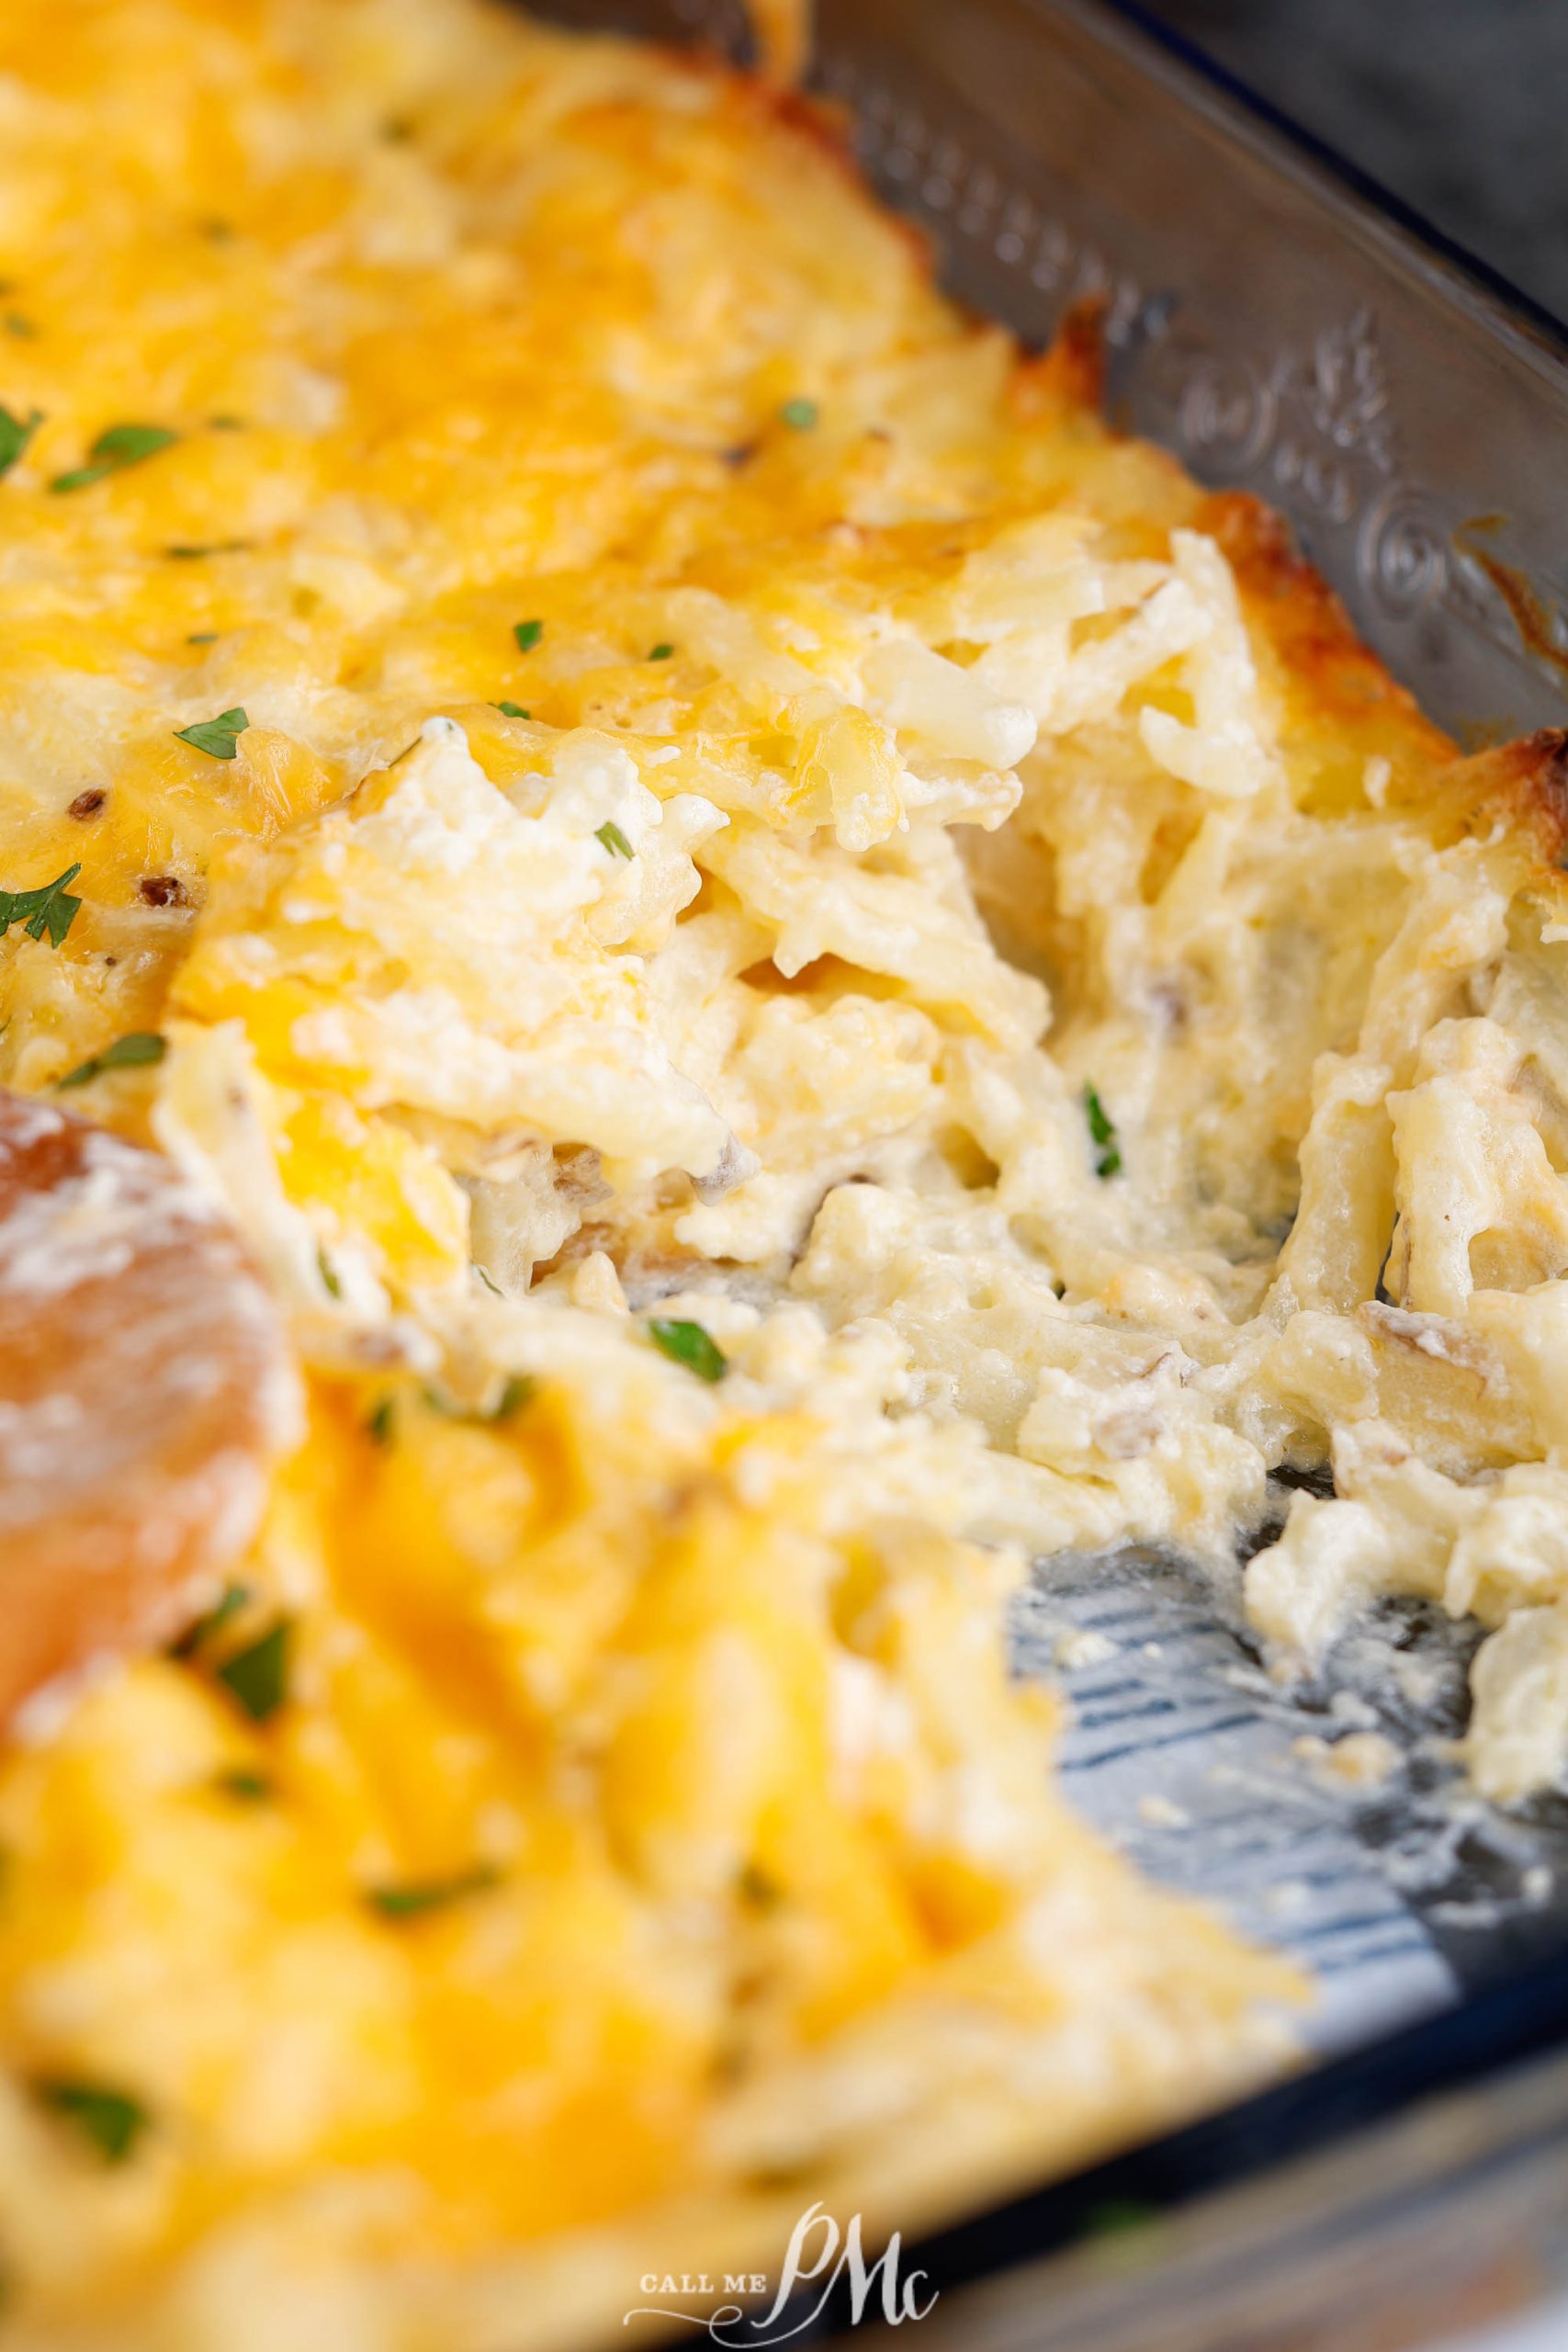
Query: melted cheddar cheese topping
{"x":810,"y":978}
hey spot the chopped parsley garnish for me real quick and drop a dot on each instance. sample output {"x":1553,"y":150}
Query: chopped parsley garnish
{"x":511,"y":710}
{"x":490,"y":1284}
{"x":202,"y":637}
{"x":613,"y":838}
{"x":328,"y":1273}
{"x":527,"y":634}
{"x":15,"y":432}
{"x":112,"y":2119}
{"x":800,"y":416}
{"x":219,"y":737}
{"x":419,"y":1896}
{"x":1102,"y":1134}
{"x":515,"y":1392}
{"x":378,"y":1423}
{"x":22,"y":328}
{"x":227,"y":424}
{"x":117,"y":447}
{"x":659,"y":652}
{"x":127,"y":445}
{"x":51,"y":907}
{"x":137,"y":1051}
{"x":197,"y":1636}
{"x":257,"y":1676}
{"x":192,"y":550}
{"x":689,"y":1344}
{"x":244,"y":1785}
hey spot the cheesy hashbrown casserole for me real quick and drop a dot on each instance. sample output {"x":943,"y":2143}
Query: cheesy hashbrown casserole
{"x":807,"y":978}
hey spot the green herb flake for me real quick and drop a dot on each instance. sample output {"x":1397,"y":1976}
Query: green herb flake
{"x":659,"y":652}
{"x":15,"y":432}
{"x":21,"y":327}
{"x":193,"y":551}
{"x":615,"y":841}
{"x":117,"y":447}
{"x":328,"y":1273}
{"x":527,"y":634}
{"x":129,"y":444}
{"x":800,"y":416}
{"x":244,"y":1786}
{"x":257,"y":1676}
{"x":197,"y":1636}
{"x":137,"y":1051}
{"x":49,"y":909}
{"x":111,"y":2120}
{"x":515,"y":1391}
{"x":511,"y":710}
{"x":223,"y":423}
{"x":1102,"y":1134}
{"x":758,"y":1889}
{"x":202,"y":637}
{"x":493,"y":1286}
{"x":419,"y":1897}
{"x":219,"y":737}
{"x":378,"y":1423}
{"x":689,"y":1344}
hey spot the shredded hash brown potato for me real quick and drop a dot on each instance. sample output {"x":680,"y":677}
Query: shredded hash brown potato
{"x":810,"y":978}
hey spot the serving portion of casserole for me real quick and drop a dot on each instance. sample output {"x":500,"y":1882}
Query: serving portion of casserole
{"x":807,"y":979}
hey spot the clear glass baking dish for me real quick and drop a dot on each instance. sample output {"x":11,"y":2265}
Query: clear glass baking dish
{"x":1283,"y":327}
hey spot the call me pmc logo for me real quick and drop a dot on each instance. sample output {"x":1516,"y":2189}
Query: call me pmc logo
{"x":819,"y":2255}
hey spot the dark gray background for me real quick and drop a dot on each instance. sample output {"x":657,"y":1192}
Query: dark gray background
{"x":1461,"y":107}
